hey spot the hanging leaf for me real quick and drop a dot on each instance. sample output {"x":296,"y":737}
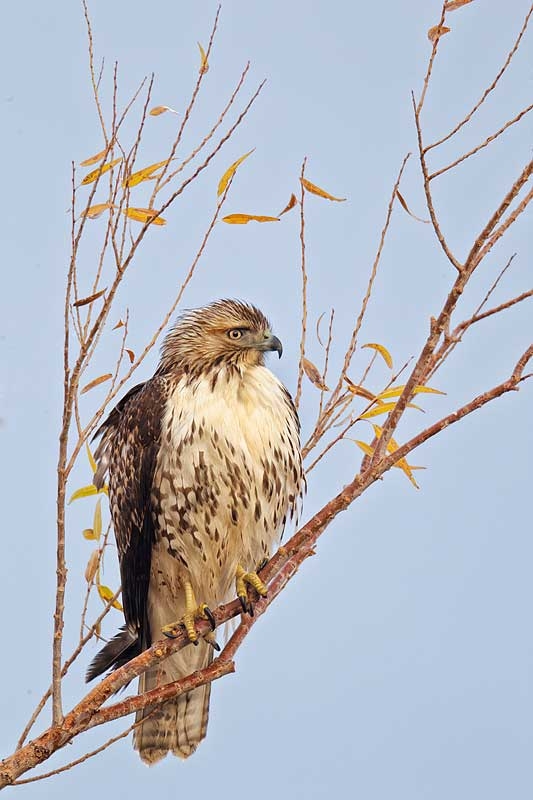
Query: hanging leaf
{"x":204,"y":66}
{"x":107,"y":595}
{"x":93,"y":212}
{"x":131,"y":355}
{"x":94,"y":159}
{"x":437,"y":31}
{"x":87,"y":491}
{"x":230,"y":172}
{"x":359,"y":390}
{"x":96,"y":382}
{"x":97,"y":519}
{"x":144,"y":215}
{"x":143,"y":174}
{"x":120,"y":324}
{"x":395,"y":391}
{"x":366,"y":448}
{"x":385,"y":408}
{"x":406,"y":208}
{"x":384,"y":353}
{"x":402,"y":464}
{"x":292,"y":202}
{"x":92,"y":176}
{"x":313,"y":189}
{"x":453,"y":4}
{"x":243,"y":219}
{"x":89,"y":534}
{"x":90,"y":456}
{"x":92,"y":565}
{"x":86,"y":300}
{"x":157,"y":110}
{"x":314,"y":375}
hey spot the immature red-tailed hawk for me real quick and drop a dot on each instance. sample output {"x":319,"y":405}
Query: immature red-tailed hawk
{"x":203,"y":462}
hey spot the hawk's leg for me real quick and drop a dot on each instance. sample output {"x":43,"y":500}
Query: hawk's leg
{"x":193,"y":611}
{"x":242,"y":581}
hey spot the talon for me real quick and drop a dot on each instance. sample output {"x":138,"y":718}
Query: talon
{"x":242,"y":581}
{"x":209,"y":616}
{"x":193,"y":611}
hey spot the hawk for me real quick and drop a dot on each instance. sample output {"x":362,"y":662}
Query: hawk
{"x":204,"y":466}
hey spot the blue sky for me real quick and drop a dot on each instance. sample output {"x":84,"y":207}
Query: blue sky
{"x":398,"y":663}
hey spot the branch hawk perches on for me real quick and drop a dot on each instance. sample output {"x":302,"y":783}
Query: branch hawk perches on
{"x":204,"y":465}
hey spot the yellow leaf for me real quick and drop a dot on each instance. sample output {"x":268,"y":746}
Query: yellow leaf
{"x":402,"y":464}
{"x":437,"y":31}
{"x":94,"y":159}
{"x":144,"y":215}
{"x":92,"y":176}
{"x":96,"y":382}
{"x":90,"y":456}
{"x":313,"y":189}
{"x":292,"y":202}
{"x":453,"y":4}
{"x":243,"y":219}
{"x":97,"y":520}
{"x":364,"y":447}
{"x":92,"y":565}
{"x":384,"y":353}
{"x":85,"y":491}
{"x":106,"y":594}
{"x":143,"y":174}
{"x":88,"y":533}
{"x":120,"y":324}
{"x":382,"y":408}
{"x":359,"y":390}
{"x":230,"y":172}
{"x":314,"y":375}
{"x":131,"y":355}
{"x":395,"y":391}
{"x":86,"y":300}
{"x":95,"y":211}
{"x":157,"y":110}
{"x":204,"y":66}
{"x":406,"y":208}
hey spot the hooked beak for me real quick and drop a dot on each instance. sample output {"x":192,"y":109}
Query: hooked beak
{"x":272,"y":343}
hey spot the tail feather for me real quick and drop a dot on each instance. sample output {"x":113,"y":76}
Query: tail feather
{"x":179,"y":725}
{"x":117,"y":652}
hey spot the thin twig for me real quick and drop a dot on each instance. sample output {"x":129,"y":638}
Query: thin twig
{"x":303,"y":268}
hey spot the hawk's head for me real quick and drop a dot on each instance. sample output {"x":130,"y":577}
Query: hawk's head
{"x":224,"y":332}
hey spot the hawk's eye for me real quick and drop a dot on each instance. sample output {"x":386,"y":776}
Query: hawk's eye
{"x":236,"y":333}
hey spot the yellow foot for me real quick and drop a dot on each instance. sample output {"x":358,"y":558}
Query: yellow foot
{"x":242,"y":581}
{"x":193,"y":611}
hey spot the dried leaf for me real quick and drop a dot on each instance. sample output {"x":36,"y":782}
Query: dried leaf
{"x":292,"y":202}
{"x":131,"y":355}
{"x":90,"y":456}
{"x":94,"y":159}
{"x":144,"y":215}
{"x":384,"y":353}
{"x":453,"y":4}
{"x":96,"y":382}
{"x":97,"y":519}
{"x":395,"y":391}
{"x":204,"y":66}
{"x":314,"y":375}
{"x":230,"y":172}
{"x":157,"y":110}
{"x":89,"y":534}
{"x":92,"y":176}
{"x":92,"y":565}
{"x":106,"y":594}
{"x":437,"y":31}
{"x":359,"y":390}
{"x":406,"y":208}
{"x":243,"y":219}
{"x":313,"y":189}
{"x":120,"y":324}
{"x":90,"y":299}
{"x":96,"y":211}
{"x":143,"y":174}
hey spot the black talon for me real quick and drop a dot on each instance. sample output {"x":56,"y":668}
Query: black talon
{"x":243,"y":604}
{"x":215,"y":646}
{"x":210,"y":617}
{"x":173,"y":634}
{"x":262,"y":564}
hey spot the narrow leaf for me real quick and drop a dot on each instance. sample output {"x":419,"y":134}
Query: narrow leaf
{"x":90,"y":456}
{"x":85,"y":491}
{"x":313,"y":189}
{"x":230,"y":172}
{"x":92,"y":565}
{"x":94,"y":159}
{"x":292,"y":202}
{"x":406,"y":208}
{"x":89,"y":534}
{"x":93,"y":212}
{"x":120,"y":324}
{"x":314,"y":375}
{"x":143,"y":174}
{"x":144,"y":215}
{"x":243,"y":219}
{"x":395,"y":391}
{"x":106,"y":594}
{"x":359,"y":390}
{"x":384,"y":353}
{"x":96,"y":382}
{"x":131,"y":355}
{"x":453,"y":4}
{"x":437,"y":31}
{"x":157,"y":110}
{"x":92,"y":176}
{"x":97,"y":520}
{"x":364,"y":447}
{"x":402,"y":464}
{"x":382,"y":408}
{"x":204,"y":66}
{"x":90,"y":299}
